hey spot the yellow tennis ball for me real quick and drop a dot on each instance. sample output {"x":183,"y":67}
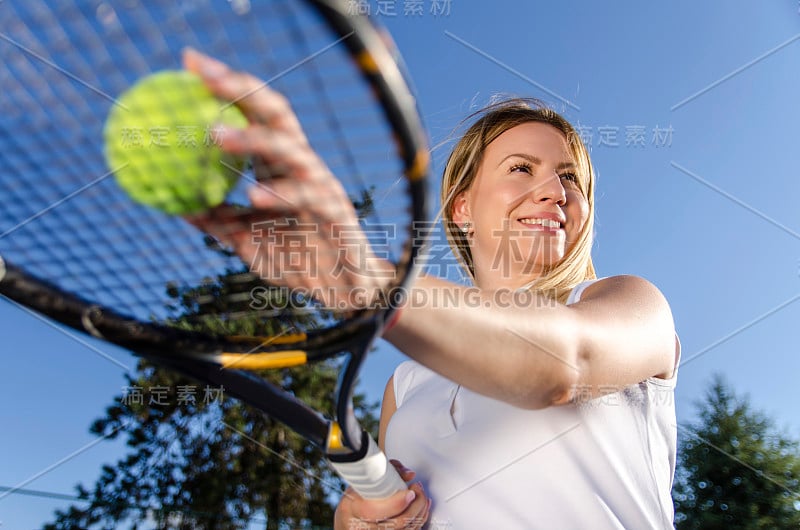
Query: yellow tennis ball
{"x":161,"y":142}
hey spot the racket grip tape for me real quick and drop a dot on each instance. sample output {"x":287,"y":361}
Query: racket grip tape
{"x":369,"y":472}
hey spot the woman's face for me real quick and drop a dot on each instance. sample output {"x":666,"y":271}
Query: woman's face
{"x":524,"y":206}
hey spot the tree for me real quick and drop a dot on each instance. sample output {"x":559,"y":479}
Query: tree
{"x":200,"y":461}
{"x":735,"y":470}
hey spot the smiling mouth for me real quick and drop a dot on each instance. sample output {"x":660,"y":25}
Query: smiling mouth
{"x":541,"y":224}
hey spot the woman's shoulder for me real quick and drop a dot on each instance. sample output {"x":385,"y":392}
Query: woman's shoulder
{"x":408,"y":376}
{"x":628,"y":282}
{"x":645,"y":295}
{"x":411,"y":371}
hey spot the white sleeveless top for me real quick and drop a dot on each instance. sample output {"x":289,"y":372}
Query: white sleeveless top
{"x":600,"y":463}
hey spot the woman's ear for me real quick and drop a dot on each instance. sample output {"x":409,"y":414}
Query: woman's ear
{"x":461,"y":211}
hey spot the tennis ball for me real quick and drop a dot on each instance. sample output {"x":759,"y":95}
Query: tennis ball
{"x":161,"y":143}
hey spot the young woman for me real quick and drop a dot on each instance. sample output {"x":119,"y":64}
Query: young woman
{"x":546,"y":405}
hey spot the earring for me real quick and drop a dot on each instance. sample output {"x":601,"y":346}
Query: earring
{"x":466,"y":227}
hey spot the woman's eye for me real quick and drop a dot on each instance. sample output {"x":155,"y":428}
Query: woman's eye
{"x":526,"y":168}
{"x":572,"y":177}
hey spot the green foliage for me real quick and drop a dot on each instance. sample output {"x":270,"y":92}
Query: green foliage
{"x":202,"y":463}
{"x":208,"y":464}
{"x":735,"y":470}
{"x":224,"y":307}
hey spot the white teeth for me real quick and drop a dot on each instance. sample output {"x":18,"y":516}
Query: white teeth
{"x":548,"y":223}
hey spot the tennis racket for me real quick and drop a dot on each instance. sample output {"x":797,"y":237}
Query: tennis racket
{"x":76,"y":248}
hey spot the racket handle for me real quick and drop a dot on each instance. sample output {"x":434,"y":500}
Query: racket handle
{"x":372,"y":475}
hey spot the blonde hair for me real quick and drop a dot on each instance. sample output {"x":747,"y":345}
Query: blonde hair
{"x":462,"y":167}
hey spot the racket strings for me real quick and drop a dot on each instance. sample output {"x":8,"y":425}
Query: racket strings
{"x":68,"y":221}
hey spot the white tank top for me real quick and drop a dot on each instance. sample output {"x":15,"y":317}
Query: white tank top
{"x":597,"y":464}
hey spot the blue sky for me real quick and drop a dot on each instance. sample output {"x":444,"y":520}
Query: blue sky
{"x":707,"y":211}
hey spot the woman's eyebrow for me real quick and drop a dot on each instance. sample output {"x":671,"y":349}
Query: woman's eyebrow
{"x":536,"y":161}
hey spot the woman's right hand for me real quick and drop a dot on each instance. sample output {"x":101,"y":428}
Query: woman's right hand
{"x":302,"y":231}
{"x":407,"y":509}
